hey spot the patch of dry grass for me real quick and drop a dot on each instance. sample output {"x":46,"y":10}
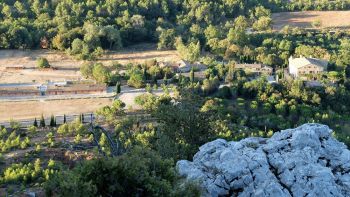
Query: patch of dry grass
{"x":32,"y":109}
{"x":327,"y":19}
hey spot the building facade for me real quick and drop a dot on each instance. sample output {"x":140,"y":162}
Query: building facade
{"x":305,"y":66}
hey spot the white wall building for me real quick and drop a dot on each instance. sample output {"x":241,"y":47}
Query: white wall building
{"x":303,"y":66}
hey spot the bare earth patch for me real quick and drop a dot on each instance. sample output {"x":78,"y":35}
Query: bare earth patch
{"x":32,"y":109}
{"x":328,"y":19}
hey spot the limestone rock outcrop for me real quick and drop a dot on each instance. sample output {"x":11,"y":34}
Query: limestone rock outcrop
{"x":305,"y":161}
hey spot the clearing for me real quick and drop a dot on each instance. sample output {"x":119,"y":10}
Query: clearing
{"x":32,"y":109}
{"x":327,"y":19}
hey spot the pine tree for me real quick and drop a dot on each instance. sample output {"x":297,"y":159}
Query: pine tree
{"x":35,"y":124}
{"x":104,"y":144}
{"x":144,"y":74}
{"x":118,"y":87}
{"x":42,"y":121}
{"x":52,"y":121}
{"x":55,"y":123}
{"x":64,"y":119}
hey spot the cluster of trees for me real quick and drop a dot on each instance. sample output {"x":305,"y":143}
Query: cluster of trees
{"x":149,"y":72}
{"x":12,"y":138}
{"x":75,"y":127}
{"x":274,"y":49}
{"x":85,"y":29}
{"x":28,"y":173}
{"x":99,"y":73}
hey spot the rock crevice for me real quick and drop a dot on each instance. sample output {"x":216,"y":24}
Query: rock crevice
{"x":305,"y":161}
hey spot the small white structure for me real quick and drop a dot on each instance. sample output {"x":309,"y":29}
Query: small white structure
{"x":303,"y":66}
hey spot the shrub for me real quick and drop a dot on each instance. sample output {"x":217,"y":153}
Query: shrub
{"x":136,"y":80}
{"x":42,"y":63}
{"x":77,"y":139}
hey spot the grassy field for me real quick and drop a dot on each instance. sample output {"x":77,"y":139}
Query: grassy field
{"x":32,"y":109}
{"x":67,"y":67}
{"x":327,"y":19}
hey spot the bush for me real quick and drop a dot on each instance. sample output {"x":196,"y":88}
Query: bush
{"x":224,"y":93}
{"x":42,"y":63}
{"x":86,"y":69}
{"x":147,"y":101}
{"x":136,"y":80}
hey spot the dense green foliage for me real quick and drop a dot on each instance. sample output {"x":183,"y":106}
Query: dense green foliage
{"x":85,"y":28}
{"x":140,"y":172}
{"x":11,"y":138}
{"x":27,"y":173}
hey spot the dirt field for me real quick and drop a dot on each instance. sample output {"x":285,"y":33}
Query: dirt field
{"x":67,"y":67}
{"x":31,"y":109}
{"x":338,"y":19}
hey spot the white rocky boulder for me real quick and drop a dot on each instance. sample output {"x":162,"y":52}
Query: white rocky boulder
{"x":306,"y":161}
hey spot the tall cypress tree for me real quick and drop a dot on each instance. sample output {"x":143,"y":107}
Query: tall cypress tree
{"x":42,"y":121}
{"x":52,"y":121}
{"x":144,"y":73}
{"x":35,"y":124}
{"x":64,"y":119}
{"x":118,"y":87}
{"x":192,"y":76}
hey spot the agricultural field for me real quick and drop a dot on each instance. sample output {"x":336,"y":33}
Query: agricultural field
{"x":326,"y":19}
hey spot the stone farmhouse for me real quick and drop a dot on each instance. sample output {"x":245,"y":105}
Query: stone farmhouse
{"x":304,"y":66}
{"x":255,"y":68}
